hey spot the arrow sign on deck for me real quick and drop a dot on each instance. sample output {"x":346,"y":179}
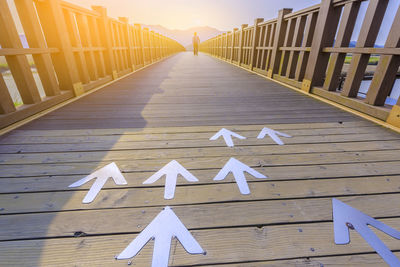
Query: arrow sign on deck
{"x":171,"y":171}
{"x":102,"y":175}
{"x":238,"y":168}
{"x":346,"y":217}
{"x":273,"y":134}
{"x":227,"y":135}
{"x":162,"y":229}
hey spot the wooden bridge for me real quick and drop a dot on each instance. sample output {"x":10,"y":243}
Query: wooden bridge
{"x":119,"y":93}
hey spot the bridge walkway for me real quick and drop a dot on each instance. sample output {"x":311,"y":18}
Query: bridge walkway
{"x":169,"y":111}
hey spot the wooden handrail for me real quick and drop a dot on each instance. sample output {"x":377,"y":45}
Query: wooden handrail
{"x":74,"y":49}
{"x":299,"y":49}
{"x":27,"y":51}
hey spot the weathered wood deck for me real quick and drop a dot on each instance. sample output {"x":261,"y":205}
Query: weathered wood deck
{"x":169,"y":111}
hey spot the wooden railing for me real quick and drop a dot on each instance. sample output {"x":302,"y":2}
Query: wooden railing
{"x":307,"y":49}
{"x":74,"y":50}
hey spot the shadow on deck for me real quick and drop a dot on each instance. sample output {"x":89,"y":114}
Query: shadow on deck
{"x":168,"y":111}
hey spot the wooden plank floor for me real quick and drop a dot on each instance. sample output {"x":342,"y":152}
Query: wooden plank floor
{"x":169,"y":111}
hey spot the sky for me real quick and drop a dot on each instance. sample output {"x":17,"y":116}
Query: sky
{"x":221,"y":14}
{"x":182,"y":14}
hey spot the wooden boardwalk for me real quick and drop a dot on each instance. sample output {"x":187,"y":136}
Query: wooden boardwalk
{"x":169,"y":111}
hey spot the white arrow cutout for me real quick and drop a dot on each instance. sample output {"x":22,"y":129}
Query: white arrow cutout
{"x":162,"y":229}
{"x":227,"y":135}
{"x":171,"y":171}
{"x":346,"y":217}
{"x":273,"y":134}
{"x":102,"y":175}
{"x":238,"y":168}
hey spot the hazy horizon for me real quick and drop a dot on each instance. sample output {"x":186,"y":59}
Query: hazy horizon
{"x":223,"y":15}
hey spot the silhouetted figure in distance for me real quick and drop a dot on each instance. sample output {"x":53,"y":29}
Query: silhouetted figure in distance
{"x":196,"y":42}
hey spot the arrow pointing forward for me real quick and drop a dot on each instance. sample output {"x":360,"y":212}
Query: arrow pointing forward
{"x":273,"y":134}
{"x":238,"y":168}
{"x":171,"y":170}
{"x":102,"y":175}
{"x":346,"y":217}
{"x":162,"y":229}
{"x":227,"y":135}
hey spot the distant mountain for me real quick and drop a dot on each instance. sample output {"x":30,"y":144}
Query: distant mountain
{"x":184,"y":37}
{"x":353,"y":44}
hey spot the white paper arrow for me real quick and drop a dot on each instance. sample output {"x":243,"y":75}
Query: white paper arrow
{"x":162,"y":229}
{"x":102,"y":175}
{"x":346,"y":217}
{"x":273,"y":134}
{"x":227,"y":135}
{"x":238,"y":168}
{"x":171,"y":171}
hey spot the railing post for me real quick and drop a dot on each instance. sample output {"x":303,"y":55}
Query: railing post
{"x":280,"y":32}
{"x":105,"y":33}
{"x":241,"y":43}
{"x":256,"y":36}
{"x":324,"y":35}
{"x":394,"y":115}
{"x":55,"y":30}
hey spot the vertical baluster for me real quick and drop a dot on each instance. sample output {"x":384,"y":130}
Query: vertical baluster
{"x":241,"y":42}
{"x":307,"y":40}
{"x":18,"y":64}
{"x":79,"y":56}
{"x":124,"y":45}
{"x":263,"y":44}
{"x":6,"y":102}
{"x":226,"y":45}
{"x":127,"y":42}
{"x":324,"y":36}
{"x":34,"y":36}
{"x":233,"y":44}
{"x":105,"y":34}
{"x":94,"y":31}
{"x":145,"y":37}
{"x":287,"y":43}
{"x":368,"y":33}
{"x":86,"y":40}
{"x":279,"y":34}
{"x":386,"y":71}
{"x":270,"y":44}
{"x":159,"y":48}
{"x":151,"y":46}
{"x":141,"y":44}
{"x":254,"y":42}
{"x":296,"y":42}
{"x":343,"y":37}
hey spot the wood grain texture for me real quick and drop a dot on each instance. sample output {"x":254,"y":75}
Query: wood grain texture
{"x":169,"y":111}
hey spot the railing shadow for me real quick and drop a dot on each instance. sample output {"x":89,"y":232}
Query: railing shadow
{"x":79,"y":126}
